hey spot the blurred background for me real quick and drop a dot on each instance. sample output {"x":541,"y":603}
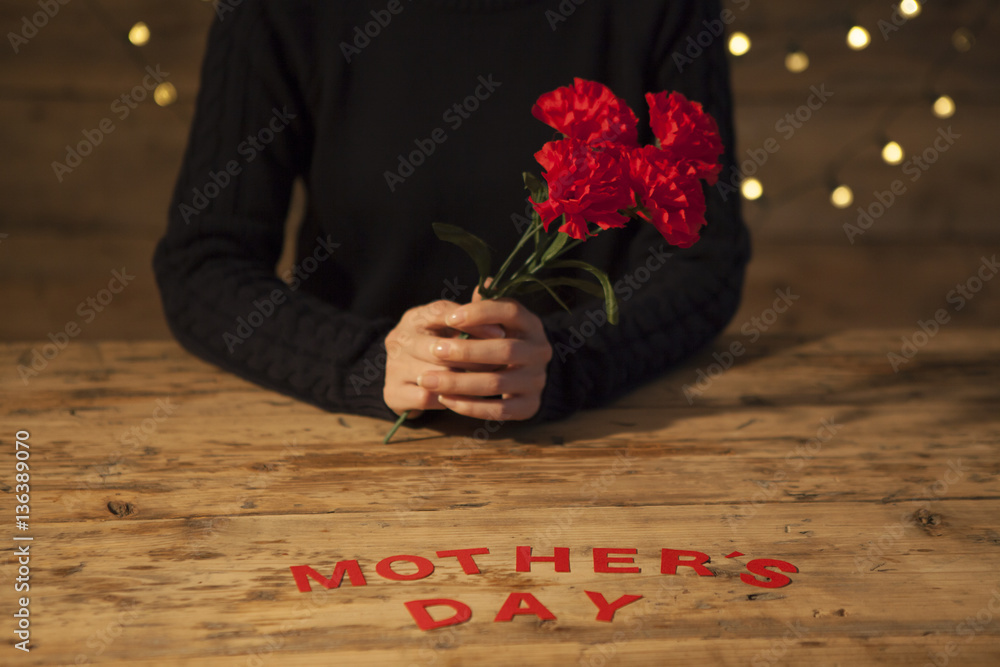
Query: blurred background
{"x":834,"y":103}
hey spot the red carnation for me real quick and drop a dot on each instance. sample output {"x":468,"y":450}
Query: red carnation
{"x":586,"y":184}
{"x":599,"y":174}
{"x":686,"y":134}
{"x":590,"y":112}
{"x":671,"y":199}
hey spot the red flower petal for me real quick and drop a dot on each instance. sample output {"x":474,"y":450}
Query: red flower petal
{"x":688,"y":135}
{"x":588,"y":111}
{"x":672,"y":198}
{"x":586,"y":184}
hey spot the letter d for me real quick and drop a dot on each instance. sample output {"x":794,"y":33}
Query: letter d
{"x":418,"y":610}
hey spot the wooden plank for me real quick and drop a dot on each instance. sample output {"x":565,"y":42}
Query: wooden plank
{"x":797,"y":178}
{"x":894,"y":67}
{"x":41,"y":123}
{"x":292,"y":475}
{"x":605,"y":649}
{"x":123,"y":187}
{"x":46,"y":282}
{"x":61,"y":59}
{"x":656,"y":430}
{"x":176,"y":548}
{"x":82,"y":53}
{"x":197,"y":589}
{"x":864,"y":286}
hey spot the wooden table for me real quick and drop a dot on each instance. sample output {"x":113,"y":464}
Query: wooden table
{"x":170,"y":503}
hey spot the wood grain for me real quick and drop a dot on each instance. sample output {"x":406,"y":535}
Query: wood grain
{"x":170,"y":500}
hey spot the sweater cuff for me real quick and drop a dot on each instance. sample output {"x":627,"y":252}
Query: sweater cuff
{"x":365,"y":382}
{"x":556,"y":404}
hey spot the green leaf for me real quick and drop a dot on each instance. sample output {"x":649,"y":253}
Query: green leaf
{"x":610,"y":302}
{"x":554,"y":248}
{"x":520,"y":286}
{"x":470,"y":243}
{"x":583,"y":285}
{"x":536,"y":186}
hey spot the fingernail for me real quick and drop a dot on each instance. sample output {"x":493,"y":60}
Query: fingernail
{"x":428,"y":381}
{"x":458,"y":317}
{"x":442,"y":349}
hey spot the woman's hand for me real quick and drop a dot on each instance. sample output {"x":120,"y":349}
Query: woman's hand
{"x":410,"y":353}
{"x":429,"y":368}
{"x":518,"y":361}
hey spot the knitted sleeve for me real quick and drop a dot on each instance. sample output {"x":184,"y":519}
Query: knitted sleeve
{"x":252,"y":135}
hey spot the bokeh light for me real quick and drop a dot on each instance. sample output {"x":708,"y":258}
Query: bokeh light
{"x":892,"y":153}
{"x":739,"y":43}
{"x":752,"y":189}
{"x":139,"y":34}
{"x":858,"y":38}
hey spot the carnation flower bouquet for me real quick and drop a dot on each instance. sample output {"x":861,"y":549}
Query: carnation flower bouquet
{"x":597,"y":177}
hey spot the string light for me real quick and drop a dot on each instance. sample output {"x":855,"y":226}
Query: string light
{"x":842,"y":196}
{"x":796,"y":60}
{"x":910,"y":8}
{"x":139,"y":34}
{"x":892,"y":153}
{"x":858,"y":38}
{"x":752,"y":189}
{"x":134,"y":38}
{"x":165,"y":94}
{"x":944,"y":107}
{"x":739,"y":43}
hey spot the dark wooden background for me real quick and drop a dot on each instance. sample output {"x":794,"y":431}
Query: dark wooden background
{"x":59,"y":242}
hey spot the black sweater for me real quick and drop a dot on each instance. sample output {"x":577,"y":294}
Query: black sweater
{"x":394,"y":121}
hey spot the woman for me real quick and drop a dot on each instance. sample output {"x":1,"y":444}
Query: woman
{"x":398,"y":114}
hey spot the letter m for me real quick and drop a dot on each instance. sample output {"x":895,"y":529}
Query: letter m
{"x":303,"y":573}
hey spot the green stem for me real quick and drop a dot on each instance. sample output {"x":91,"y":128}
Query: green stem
{"x":532,"y":270}
{"x":395,"y":427}
{"x":510,"y":258}
{"x":406,"y":415}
